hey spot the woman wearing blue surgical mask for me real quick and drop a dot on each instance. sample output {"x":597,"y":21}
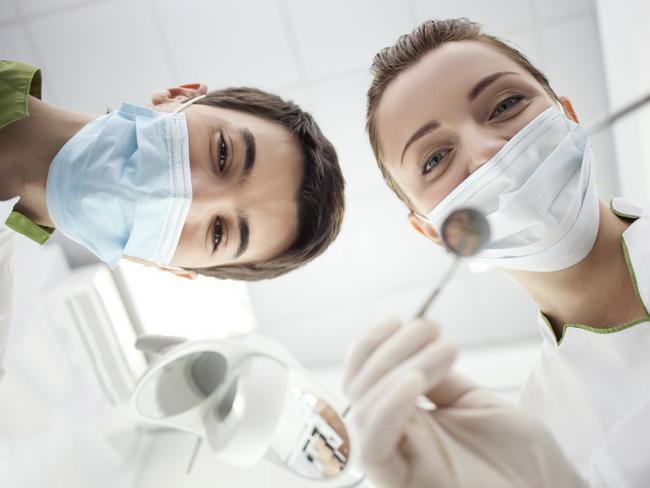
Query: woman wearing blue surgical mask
{"x":457,"y":118}
{"x":236,"y":183}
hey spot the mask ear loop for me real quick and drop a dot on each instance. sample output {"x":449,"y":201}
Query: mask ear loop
{"x":188,"y":103}
{"x":420,"y":216}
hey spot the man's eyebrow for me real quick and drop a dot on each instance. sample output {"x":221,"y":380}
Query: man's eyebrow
{"x":485,"y":82}
{"x":249,"y":152}
{"x":244,"y":234}
{"x":428,"y":127}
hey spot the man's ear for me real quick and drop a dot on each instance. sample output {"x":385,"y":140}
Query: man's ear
{"x":180,"y":272}
{"x":178,"y":93}
{"x":424,"y":228}
{"x":568,"y":109}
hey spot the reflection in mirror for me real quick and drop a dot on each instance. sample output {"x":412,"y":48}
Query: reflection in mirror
{"x":312,"y":440}
{"x":184,"y":383}
{"x":465,"y":231}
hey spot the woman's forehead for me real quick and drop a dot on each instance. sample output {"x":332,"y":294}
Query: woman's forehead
{"x":448,"y":70}
{"x":438,"y":84}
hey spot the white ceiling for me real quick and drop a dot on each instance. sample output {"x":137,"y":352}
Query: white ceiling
{"x":97,"y":53}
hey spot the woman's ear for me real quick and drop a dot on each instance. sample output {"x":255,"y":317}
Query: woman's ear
{"x":424,"y":228}
{"x":568,"y":109}
{"x":178,"y":93}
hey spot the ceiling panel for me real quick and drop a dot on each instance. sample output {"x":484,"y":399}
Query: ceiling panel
{"x":338,"y":35}
{"x":552,"y":10}
{"x":572,"y":47}
{"x":7,"y":11}
{"x":227,"y":43}
{"x":33,"y":7}
{"x":99,"y":56}
{"x":339,"y":108}
{"x":494,"y":15}
{"x":15,"y":45}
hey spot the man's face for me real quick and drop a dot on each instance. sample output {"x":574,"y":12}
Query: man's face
{"x":246,"y":173}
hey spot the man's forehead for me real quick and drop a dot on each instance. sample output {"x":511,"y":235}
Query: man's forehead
{"x":242,"y":119}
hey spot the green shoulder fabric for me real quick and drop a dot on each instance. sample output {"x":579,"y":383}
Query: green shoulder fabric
{"x":21,"y":224}
{"x":17,"y":81}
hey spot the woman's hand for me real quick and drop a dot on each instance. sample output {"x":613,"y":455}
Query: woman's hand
{"x":472,"y":437}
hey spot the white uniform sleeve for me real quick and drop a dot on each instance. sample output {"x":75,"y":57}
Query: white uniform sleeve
{"x":6,"y":290}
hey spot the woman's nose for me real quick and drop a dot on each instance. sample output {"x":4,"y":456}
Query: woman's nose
{"x":481,"y":146}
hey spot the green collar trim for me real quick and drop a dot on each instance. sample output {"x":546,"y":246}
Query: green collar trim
{"x":595,"y":330}
{"x":21,"y":224}
{"x":621,"y":214}
{"x":616,"y":328}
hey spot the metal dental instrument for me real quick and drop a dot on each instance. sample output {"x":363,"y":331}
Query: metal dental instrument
{"x":465,"y":231}
{"x":622,"y":112}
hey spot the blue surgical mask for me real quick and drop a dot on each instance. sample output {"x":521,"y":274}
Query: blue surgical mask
{"x":122,"y":187}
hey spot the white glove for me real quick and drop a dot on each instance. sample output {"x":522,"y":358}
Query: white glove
{"x":471,"y":439}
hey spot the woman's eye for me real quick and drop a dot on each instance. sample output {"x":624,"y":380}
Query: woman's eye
{"x":223,"y":153}
{"x":218,"y":234}
{"x":433,"y":161}
{"x":506,"y":105}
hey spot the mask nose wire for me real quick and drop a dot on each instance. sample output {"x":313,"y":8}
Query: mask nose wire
{"x":179,"y":109}
{"x":188,"y":103}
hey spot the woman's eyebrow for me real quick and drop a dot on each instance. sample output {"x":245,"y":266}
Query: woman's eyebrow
{"x":428,"y":127}
{"x":485,"y":82}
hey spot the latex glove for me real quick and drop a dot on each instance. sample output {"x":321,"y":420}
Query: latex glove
{"x":473,"y":438}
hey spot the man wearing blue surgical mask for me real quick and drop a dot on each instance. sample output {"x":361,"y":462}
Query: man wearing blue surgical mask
{"x":236,"y":183}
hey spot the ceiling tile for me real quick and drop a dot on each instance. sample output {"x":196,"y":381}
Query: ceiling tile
{"x":229,"y":43}
{"x":495,"y":15}
{"x":574,"y":64}
{"x":7,"y":11}
{"x":32,"y":7}
{"x":340,"y":109}
{"x":553,"y":10}
{"x":339,"y":35}
{"x":15,"y":45}
{"x":97,"y":57}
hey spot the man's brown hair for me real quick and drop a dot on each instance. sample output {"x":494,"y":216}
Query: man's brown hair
{"x":320,"y":198}
{"x":408,"y":50}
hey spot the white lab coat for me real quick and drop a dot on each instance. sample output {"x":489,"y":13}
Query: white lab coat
{"x":6,"y":277}
{"x":593,"y":389}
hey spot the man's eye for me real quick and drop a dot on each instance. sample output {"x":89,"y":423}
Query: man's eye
{"x":433,"y":161}
{"x":218,"y":235}
{"x":223,"y":153}
{"x":506,"y":104}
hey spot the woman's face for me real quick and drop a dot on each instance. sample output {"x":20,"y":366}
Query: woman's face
{"x":448,"y":114}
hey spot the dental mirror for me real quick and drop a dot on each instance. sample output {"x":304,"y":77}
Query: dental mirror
{"x":465,"y":231}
